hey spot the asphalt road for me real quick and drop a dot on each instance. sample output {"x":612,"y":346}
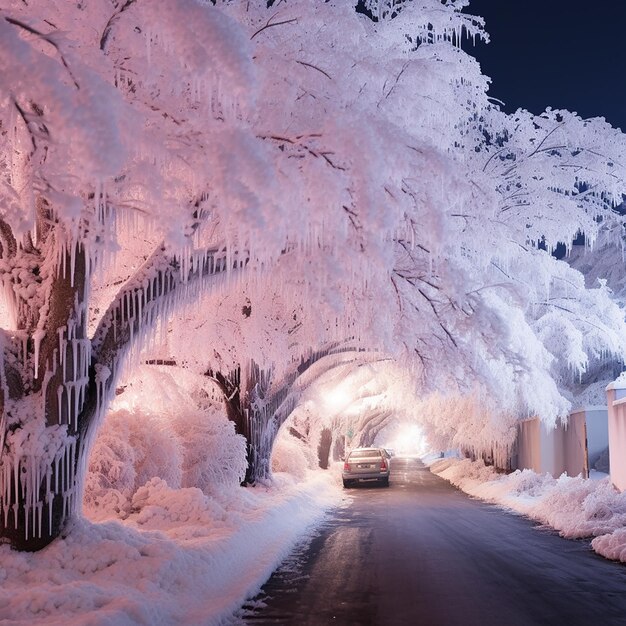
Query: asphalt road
{"x":423,"y":553}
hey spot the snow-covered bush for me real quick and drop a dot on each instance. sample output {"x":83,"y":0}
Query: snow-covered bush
{"x":574,"y":506}
{"x":111,"y":477}
{"x":292,"y":456}
{"x":181,"y":437}
{"x":214,"y":456}
{"x":132,"y":448}
{"x":157,"y":504}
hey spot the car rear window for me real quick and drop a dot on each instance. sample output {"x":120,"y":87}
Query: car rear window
{"x":364,"y":454}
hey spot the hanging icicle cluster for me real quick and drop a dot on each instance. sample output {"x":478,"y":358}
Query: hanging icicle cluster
{"x":38,"y":465}
{"x":50,"y":431}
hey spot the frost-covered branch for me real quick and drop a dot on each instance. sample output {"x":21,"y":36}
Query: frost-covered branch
{"x":163,"y":281}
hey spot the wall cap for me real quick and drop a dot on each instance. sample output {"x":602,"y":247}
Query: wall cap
{"x":587,"y":409}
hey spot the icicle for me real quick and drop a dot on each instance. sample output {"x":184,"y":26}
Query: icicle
{"x":75,"y":415}
{"x":38,"y":335}
{"x":73,"y":263}
{"x":72,"y":471}
{"x":24,"y":349}
{"x":60,"y":403}
{"x":5,"y":484}
{"x":16,"y":482}
{"x":68,"y":403}
{"x":56,"y":473}
{"x":39,"y":512}
{"x":49,"y":499}
{"x":74,"y":358}
{"x":85,"y":358}
{"x":36,"y":477}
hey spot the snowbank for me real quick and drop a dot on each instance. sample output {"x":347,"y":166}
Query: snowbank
{"x":576,"y":507}
{"x":180,"y":557}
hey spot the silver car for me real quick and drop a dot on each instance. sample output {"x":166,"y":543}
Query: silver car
{"x":367,"y":464}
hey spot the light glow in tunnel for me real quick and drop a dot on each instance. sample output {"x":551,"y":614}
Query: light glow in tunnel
{"x":337,"y":398}
{"x":405,"y":439}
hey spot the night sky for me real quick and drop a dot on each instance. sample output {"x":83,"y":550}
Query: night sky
{"x":568,"y":54}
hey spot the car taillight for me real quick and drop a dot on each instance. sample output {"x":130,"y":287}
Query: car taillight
{"x":346,"y":466}
{"x":383,"y":465}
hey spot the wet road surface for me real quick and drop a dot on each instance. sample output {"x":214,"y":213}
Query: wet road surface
{"x":423,"y":553}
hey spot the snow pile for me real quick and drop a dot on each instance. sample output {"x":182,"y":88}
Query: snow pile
{"x":576,"y":507}
{"x":180,"y":556}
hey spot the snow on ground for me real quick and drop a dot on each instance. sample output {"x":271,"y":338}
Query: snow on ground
{"x":576,"y":507}
{"x":180,"y":557}
{"x":169,"y":537}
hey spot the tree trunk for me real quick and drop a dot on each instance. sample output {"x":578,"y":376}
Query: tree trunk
{"x":244,"y":401}
{"x":323,"y":448}
{"x":44,"y":449}
{"x":258,"y":406}
{"x":54,"y":398}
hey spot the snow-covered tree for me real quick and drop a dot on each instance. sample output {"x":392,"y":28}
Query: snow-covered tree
{"x":351,"y":163}
{"x":114,"y":116}
{"x":442,"y":235}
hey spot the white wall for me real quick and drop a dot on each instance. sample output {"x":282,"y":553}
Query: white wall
{"x":597,"y":420}
{"x":553,"y":450}
{"x":539,"y":448}
{"x":575,"y":456}
{"x":616,"y":400}
{"x":529,"y":445}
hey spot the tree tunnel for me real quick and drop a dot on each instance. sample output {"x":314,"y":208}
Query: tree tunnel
{"x":332,"y":400}
{"x":259,"y":404}
{"x":352,"y":404}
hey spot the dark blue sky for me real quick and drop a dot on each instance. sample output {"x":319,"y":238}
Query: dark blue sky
{"x":568,"y":54}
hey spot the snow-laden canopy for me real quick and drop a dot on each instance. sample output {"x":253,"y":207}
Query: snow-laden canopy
{"x":309,"y":179}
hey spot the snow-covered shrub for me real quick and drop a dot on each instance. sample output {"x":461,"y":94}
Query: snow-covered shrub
{"x":562,"y":506}
{"x":162,"y":427}
{"x":111,"y":465}
{"x":292,"y":456}
{"x":214,"y":455}
{"x":157,"y":504}
{"x":528,"y":483}
{"x":157,"y":453}
{"x":606,"y":505}
{"x":611,"y":545}
{"x":132,"y":447}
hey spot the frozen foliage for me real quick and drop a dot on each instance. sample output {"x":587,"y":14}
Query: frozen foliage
{"x":108,"y":123}
{"x":471,"y":303}
{"x":576,"y":507}
{"x":214,"y":456}
{"x":131,"y":448}
{"x":292,"y":456}
{"x":328,"y":158}
{"x":181,"y":438}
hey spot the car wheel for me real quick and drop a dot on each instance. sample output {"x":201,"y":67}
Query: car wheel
{"x":347,"y":484}
{"x":385,"y":482}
